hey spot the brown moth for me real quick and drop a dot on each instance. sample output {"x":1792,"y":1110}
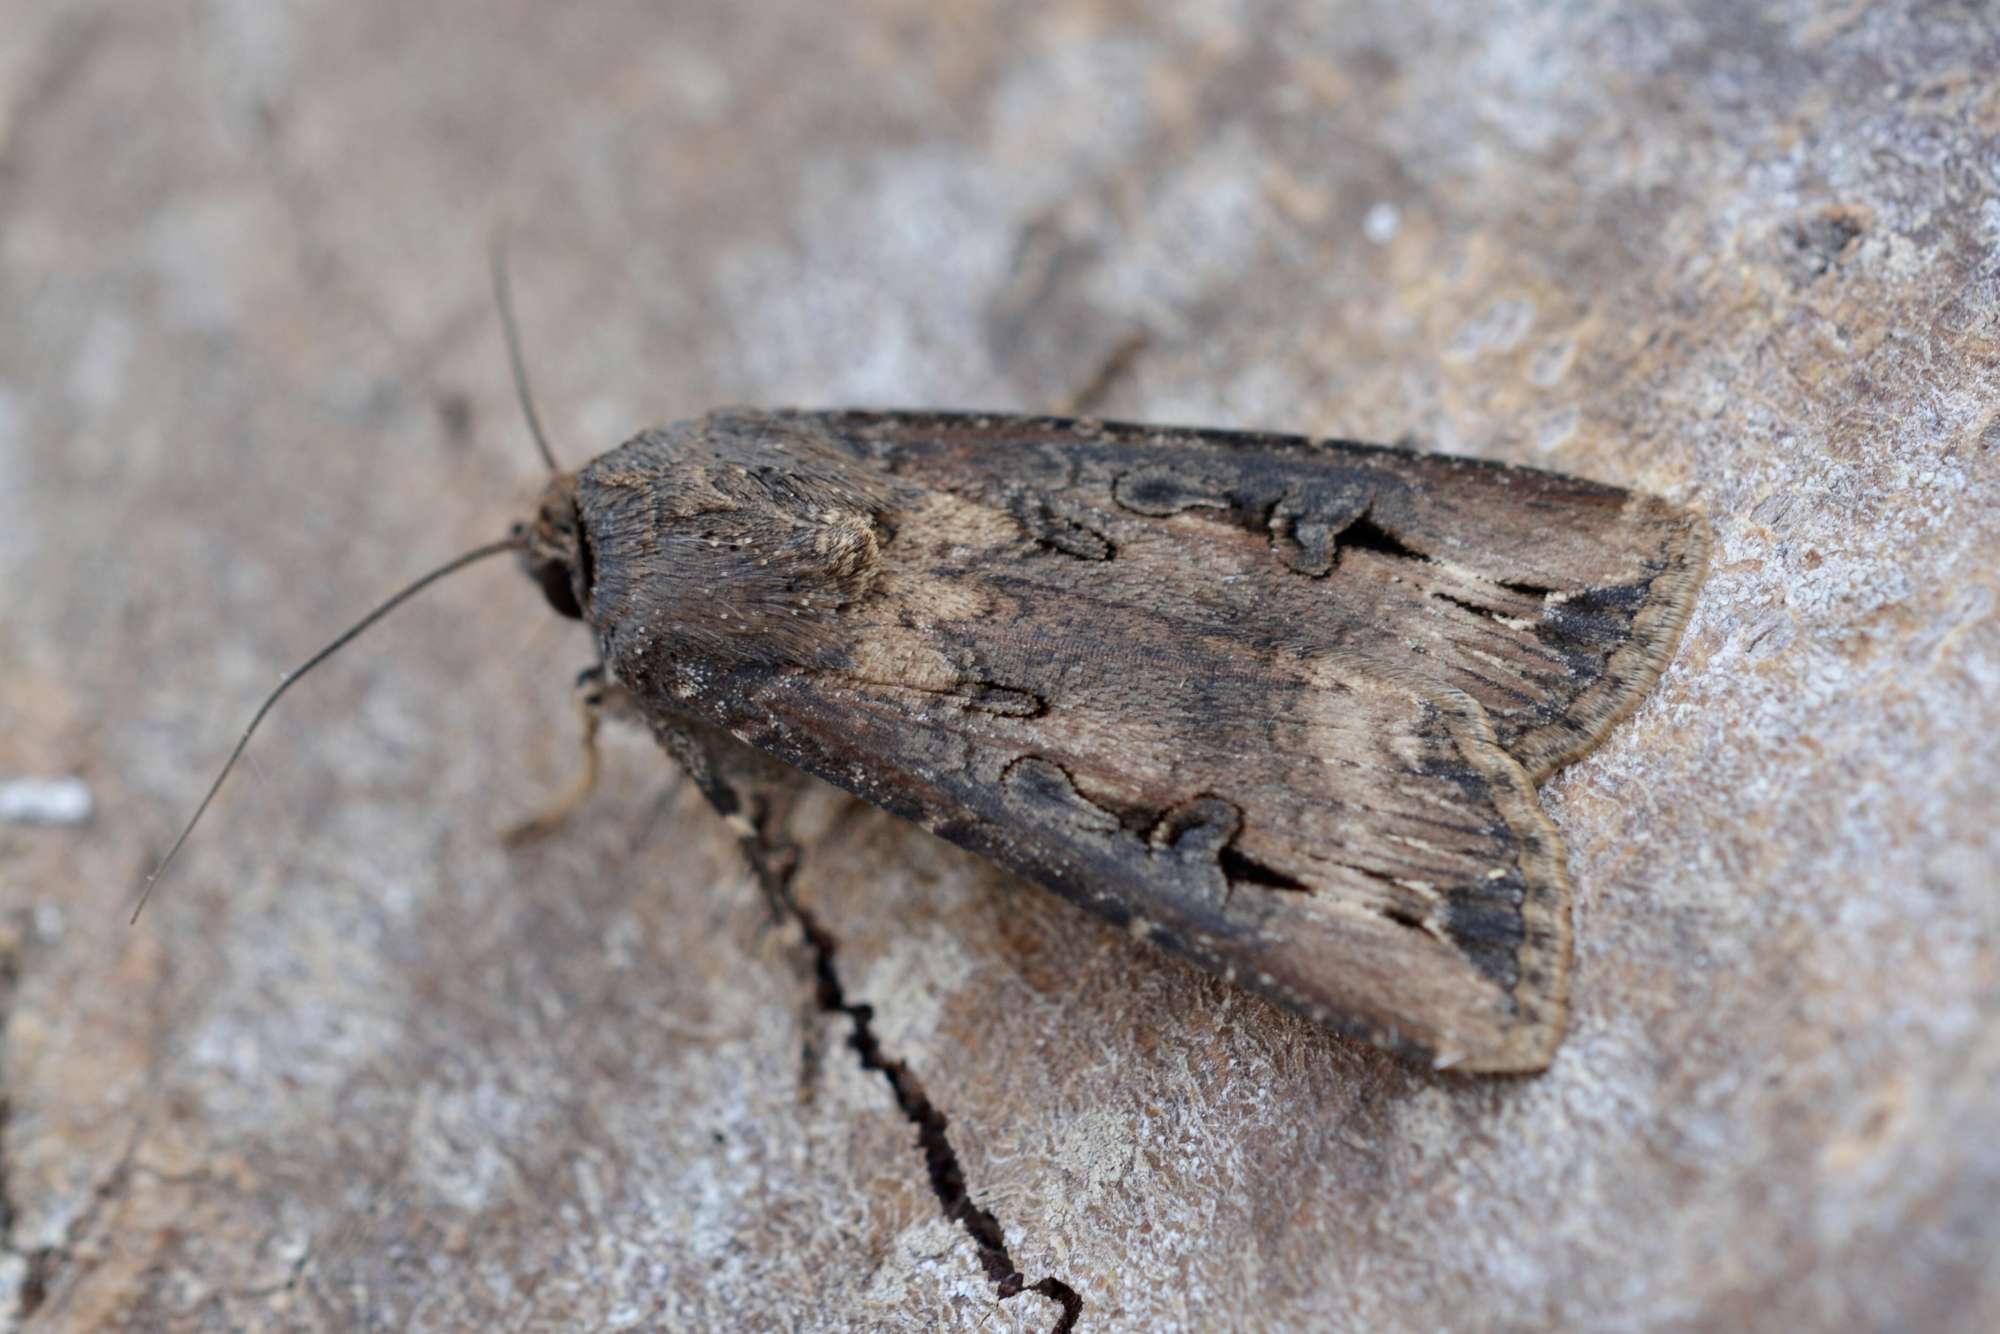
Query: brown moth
{"x":1280,"y":705}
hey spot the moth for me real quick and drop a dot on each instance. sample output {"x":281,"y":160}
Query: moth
{"x":1280,"y":705}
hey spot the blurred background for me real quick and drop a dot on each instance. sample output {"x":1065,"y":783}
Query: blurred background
{"x":360,"y":1065}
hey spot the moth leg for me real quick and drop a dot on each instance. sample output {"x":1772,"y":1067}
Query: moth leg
{"x":593,"y":696}
{"x":1085,"y":398}
{"x":750,"y":792}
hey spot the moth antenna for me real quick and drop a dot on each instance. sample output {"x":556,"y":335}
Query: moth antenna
{"x":503,"y":294}
{"x":290,"y":678}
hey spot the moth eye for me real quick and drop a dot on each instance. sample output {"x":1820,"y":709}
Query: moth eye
{"x":554,"y":579}
{"x":517,"y":530}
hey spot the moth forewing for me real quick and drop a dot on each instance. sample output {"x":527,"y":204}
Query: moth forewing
{"x":1277,"y":704}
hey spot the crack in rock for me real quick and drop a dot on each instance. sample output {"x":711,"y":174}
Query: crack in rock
{"x":947,"y":1175}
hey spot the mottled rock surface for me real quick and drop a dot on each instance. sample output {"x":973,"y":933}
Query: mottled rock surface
{"x":361,"y":1064}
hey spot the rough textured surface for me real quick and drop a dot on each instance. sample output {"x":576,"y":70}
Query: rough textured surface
{"x":360,"y":1062}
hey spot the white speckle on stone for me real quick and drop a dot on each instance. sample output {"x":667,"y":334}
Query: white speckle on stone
{"x":1498,"y":328}
{"x":1552,"y":362}
{"x":1553,"y":429}
{"x":909,"y":985}
{"x":1381,"y":222}
{"x":57,"y":801}
{"x":13,"y":1277}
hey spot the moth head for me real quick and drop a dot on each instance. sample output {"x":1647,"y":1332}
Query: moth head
{"x":555,"y":550}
